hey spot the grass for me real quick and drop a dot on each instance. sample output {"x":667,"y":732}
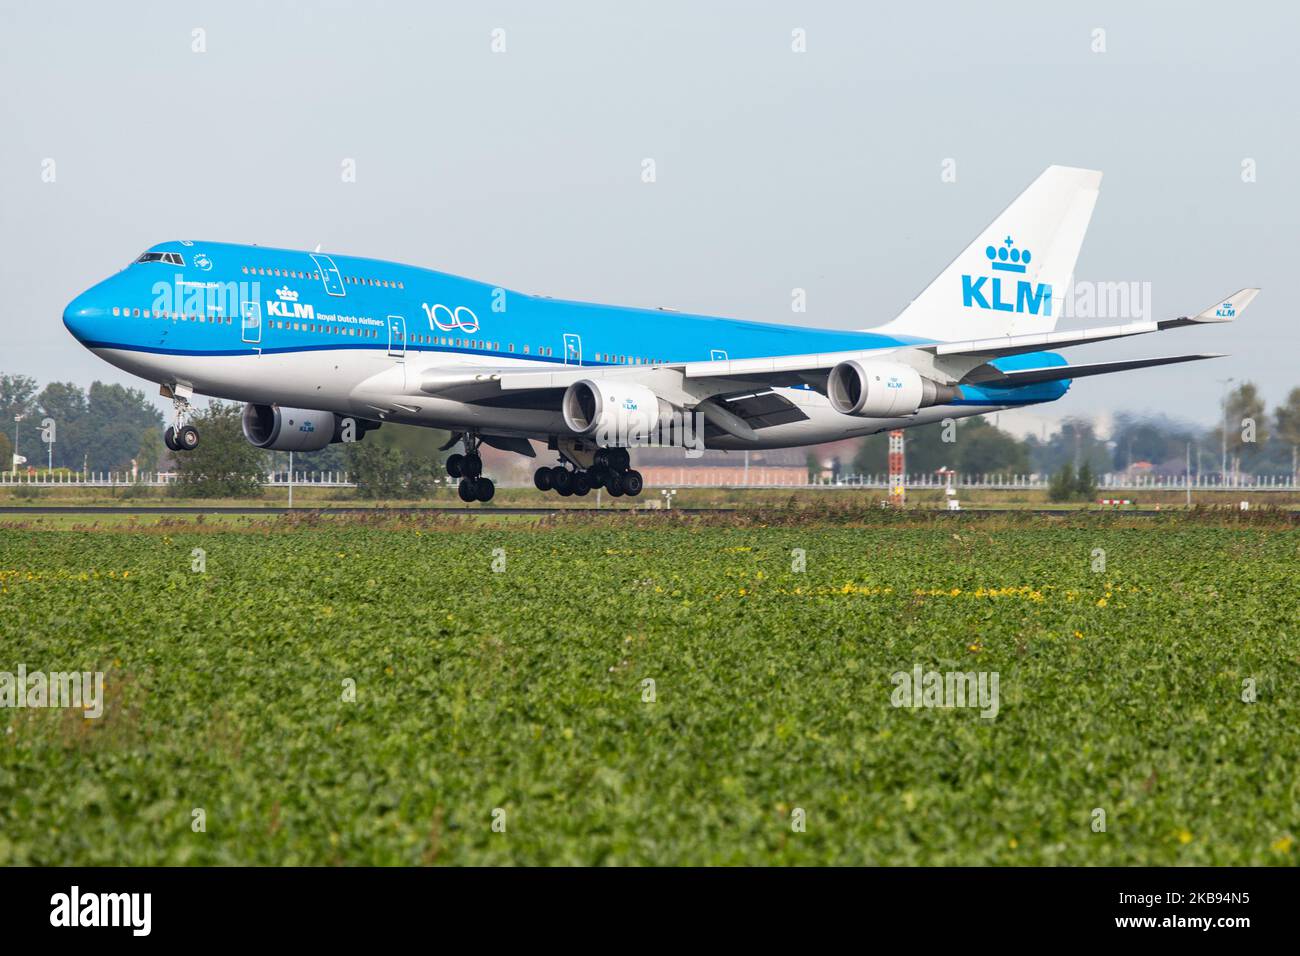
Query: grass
{"x":305,"y":496}
{"x":523,"y":691}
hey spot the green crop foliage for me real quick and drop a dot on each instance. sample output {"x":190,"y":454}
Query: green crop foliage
{"x":524,"y":690}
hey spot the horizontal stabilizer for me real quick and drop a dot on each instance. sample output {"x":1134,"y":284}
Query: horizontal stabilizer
{"x":1042,"y":341}
{"x":989,"y":376}
{"x":1225,"y":311}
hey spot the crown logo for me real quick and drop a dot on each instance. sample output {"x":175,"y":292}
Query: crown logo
{"x":286,"y":294}
{"x":1007,"y":258}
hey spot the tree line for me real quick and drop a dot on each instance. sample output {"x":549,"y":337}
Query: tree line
{"x":114,"y":428}
{"x":1255,"y":441}
{"x":109,"y":427}
{"x":102,"y":428}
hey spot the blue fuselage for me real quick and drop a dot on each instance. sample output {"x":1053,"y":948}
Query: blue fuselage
{"x":183,"y":302}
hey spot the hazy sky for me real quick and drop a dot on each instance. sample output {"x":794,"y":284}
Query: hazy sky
{"x":775,"y":169}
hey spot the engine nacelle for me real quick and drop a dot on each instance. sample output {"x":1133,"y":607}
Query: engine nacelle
{"x":294,"y":429}
{"x":613,"y":412}
{"x":882,"y":389}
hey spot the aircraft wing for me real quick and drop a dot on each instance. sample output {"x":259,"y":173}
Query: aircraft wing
{"x":1057,"y":373}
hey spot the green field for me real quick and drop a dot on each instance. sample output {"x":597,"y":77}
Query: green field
{"x":522,"y":691}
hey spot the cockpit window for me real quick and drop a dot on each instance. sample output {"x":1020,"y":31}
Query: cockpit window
{"x":171,"y":258}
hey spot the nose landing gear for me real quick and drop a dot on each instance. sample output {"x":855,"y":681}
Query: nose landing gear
{"x":179,"y":435}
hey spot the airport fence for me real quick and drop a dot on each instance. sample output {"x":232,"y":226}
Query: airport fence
{"x":711,"y":478}
{"x":1105,"y":482}
{"x":161,"y":479}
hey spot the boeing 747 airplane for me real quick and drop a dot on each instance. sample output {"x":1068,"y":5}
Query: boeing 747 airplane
{"x":324,"y":348}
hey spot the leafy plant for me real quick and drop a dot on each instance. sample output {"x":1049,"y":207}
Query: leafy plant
{"x":1063,"y":486}
{"x":224,"y":465}
{"x":368,"y":691}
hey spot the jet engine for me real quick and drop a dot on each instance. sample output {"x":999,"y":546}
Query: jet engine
{"x":613,"y":412}
{"x":300,"y":429}
{"x":882,"y":389}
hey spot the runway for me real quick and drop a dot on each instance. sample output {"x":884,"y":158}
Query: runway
{"x":490,"y":510}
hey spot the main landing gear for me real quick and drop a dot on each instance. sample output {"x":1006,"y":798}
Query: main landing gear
{"x":610,"y":470}
{"x":180,"y":436}
{"x":469,"y":469}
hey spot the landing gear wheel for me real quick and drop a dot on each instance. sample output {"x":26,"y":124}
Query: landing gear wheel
{"x":180,"y":436}
{"x":454,"y":464}
{"x":581,"y":483}
{"x":471,"y":465}
{"x":599,"y":476}
{"x":619,"y":459}
{"x":562,"y":482}
{"x":632,"y":483}
{"x":484,"y":489}
{"x":466,"y":490}
{"x":542,"y":478}
{"x":614,"y":485}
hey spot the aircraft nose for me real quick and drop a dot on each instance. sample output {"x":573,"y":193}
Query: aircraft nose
{"x":80,"y":315}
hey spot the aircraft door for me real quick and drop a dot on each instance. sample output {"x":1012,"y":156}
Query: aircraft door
{"x":396,"y":336}
{"x":329,"y":274}
{"x":572,"y":349}
{"x":250,"y":322}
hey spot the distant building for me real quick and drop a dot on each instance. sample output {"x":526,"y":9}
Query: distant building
{"x":671,"y":467}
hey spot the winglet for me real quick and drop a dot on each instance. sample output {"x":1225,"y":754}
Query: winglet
{"x":1229,"y":308}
